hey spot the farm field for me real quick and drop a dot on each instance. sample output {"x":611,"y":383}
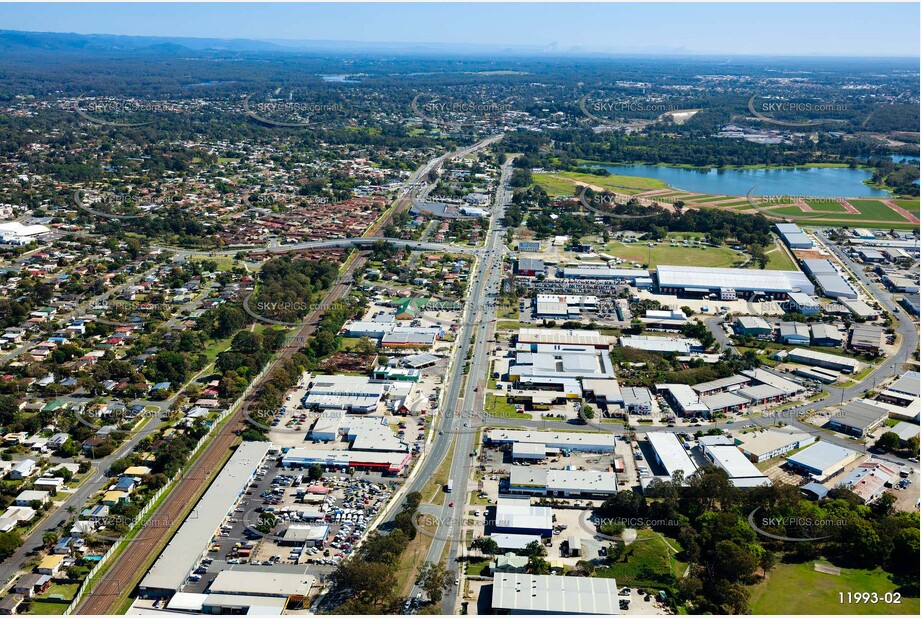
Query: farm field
{"x":800,"y":589}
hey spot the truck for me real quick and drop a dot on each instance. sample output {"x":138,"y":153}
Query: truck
{"x":449,"y":486}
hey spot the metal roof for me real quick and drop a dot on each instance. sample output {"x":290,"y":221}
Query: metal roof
{"x":822,"y":456}
{"x":671,"y":454}
{"x":747,"y":280}
{"x":523,"y":593}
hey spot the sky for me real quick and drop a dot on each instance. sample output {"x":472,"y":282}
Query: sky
{"x":782,"y":29}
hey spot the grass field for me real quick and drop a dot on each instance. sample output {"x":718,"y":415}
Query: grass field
{"x":909,"y":205}
{"x":779,"y":260}
{"x":564,"y":183}
{"x":874,"y":209}
{"x":649,"y":561}
{"x":825,"y":205}
{"x":666,"y":254}
{"x":800,"y":589}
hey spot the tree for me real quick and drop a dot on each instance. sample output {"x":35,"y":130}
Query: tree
{"x":314,"y":472}
{"x":49,"y":539}
{"x":486,"y":545}
{"x":538,"y":566}
{"x":888,"y":441}
{"x":434,"y":578}
{"x":9,"y":543}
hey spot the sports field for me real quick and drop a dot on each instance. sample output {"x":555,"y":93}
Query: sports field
{"x":800,"y":589}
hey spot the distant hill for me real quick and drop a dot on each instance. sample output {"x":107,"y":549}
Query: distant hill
{"x":14,"y":41}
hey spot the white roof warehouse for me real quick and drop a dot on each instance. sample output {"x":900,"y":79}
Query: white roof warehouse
{"x":520,"y":593}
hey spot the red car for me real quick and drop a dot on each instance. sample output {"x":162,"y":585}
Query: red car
{"x":450,"y":504}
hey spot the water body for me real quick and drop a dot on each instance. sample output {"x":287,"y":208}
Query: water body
{"x":810,"y":181}
{"x":340,"y":79}
{"x":898,"y":158}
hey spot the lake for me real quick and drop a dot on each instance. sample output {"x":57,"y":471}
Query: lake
{"x":340,"y":79}
{"x":809,"y":181}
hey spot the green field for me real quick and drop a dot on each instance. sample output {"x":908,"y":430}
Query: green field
{"x":650,"y":561}
{"x":825,"y":205}
{"x":666,"y":254}
{"x":778,"y":259}
{"x":909,"y":205}
{"x":564,"y":183}
{"x":800,"y":589}
{"x":874,"y":209}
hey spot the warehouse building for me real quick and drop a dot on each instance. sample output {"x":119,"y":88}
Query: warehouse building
{"x":821,"y":359}
{"x":670,"y":454}
{"x":859,"y":309}
{"x":638,"y":400}
{"x":785,"y":386}
{"x":672,"y":319}
{"x":866,"y":337}
{"x":828,"y":279}
{"x":904,"y":390}
{"x":263,"y":583}
{"x":15,"y":233}
{"x":514,"y":542}
{"x":794,"y":333}
{"x":823,"y":460}
{"x":803,"y":303}
{"x":793,"y":236}
{"x":530,"y":267}
{"x":586,"y":442}
{"x":357,"y":394}
{"x":191,"y":542}
{"x":763,"y":445}
{"x":383,"y":462}
{"x":869,"y":479}
{"x":517,"y":516}
{"x":558,"y":337}
{"x":729,"y":283}
{"x":537,"y":481}
{"x":683,"y":399}
{"x":589,"y":362}
{"x":602,"y":391}
{"x":731,"y":383}
{"x":753,"y":326}
{"x":817,"y":374}
{"x":662,"y":345}
{"x":521,"y":593}
{"x":741,"y":471}
{"x":725,"y":402}
{"x":859,"y":418}
{"x":826,"y":335}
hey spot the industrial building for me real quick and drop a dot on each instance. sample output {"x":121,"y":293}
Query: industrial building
{"x":384,"y":462}
{"x":741,"y":471}
{"x":534,"y":480}
{"x":602,"y":391}
{"x":763,"y":445}
{"x":15,"y":233}
{"x":866,"y":337}
{"x":587,"y":362}
{"x":191,"y":542}
{"x":365,"y":433}
{"x":586,"y":442}
{"x":826,"y":335}
{"x":672,"y":319}
{"x":530,"y":267}
{"x":557,"y":337}
{"x":753,"y":326}
{"x":358,"y":394}
{"x":720,"y":385}
{"x":828,"y":279}
{"x":803,"y":303}
{"x":683,"y":399}
{"x":785,"y":386}
{"x":662,"y":345}
{"x":869,"y":479}
{"x":859,"y":309}
{"x":729,"y":283}
{"x":859,"y":418}
{"x":670,"y":454}
{"x":823,"y":460}
{"x":520,"y":593}
{"x":793,"y":236}
{"x":903,"y":391}
{"x":563,"y":305}
{"x":262,"y":583}
{"x":843,"y":364}
{"x":794,"y":333}
{"x":638,"y":400}
{"x":517,"y":516}
{"x":725,"y":402}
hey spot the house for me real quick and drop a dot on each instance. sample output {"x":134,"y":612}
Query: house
{"x":31,"y":584}
{"x":26,"y":498}
{"x":23,"y":470}
{"x":509,"y":563}
{"x":127,"y":484}
{"x":50,"y":565}
{"x":10,"y":604}
{"x":113,"y":497}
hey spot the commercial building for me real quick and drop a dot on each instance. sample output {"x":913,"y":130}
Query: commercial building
{"x":557,"y":337}
{"x":263,"y":583}
{"x":384,"y":462}
{"x":763,"y":445}
{"x":15,"y":233}
{"x":602,"y":391}
{"x":521,"y":593}
{"x":785,"y":386}
{"x":514,"y":542}
{"x":731,"y":383}
{"x":517,"y":516}
{"x":672,"y":319}
{"x":358,"y":394}
{"x":530,"y":267}
{"x":817,"y":374}
{"x":192,"y":540}
{"x":741,"y":471}
{"x":535,"y":480}
{"x":365,"y":433}
{"x":793,"y":236}
{"x":586,"y":442}
{"x":905,"y":431}
{"x":859,"y":309}
{"x":904,"y":390}
{"x":803,"y":303}
{"x":731,"y":282}
{"x":823,"y":460}
{"x":534,"y":367}
{"x":638,"y":400}
{"x":794,"y":333}
{"x":869,"y":479}
{"x":826,"y":335}
{"x":529,"y":246}
{"x":828,"y":279}
{"x":821,"y":359}
{"x":563,"y":305}
{"x":683,"y":399}
{"x":859,"y":418}
{"x":866,"y":337}
{"x":753,"y":326}
{"x":725,"y":402}
{"x":662,"y":345}
{"x":670,"y":454}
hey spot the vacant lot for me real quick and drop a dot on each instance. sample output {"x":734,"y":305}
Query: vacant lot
{"x":666,"y":254}
{"x":800,"y":589}
{"x":565,"y":183}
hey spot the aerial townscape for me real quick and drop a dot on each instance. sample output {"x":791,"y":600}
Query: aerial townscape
{"x":300,"y":324}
